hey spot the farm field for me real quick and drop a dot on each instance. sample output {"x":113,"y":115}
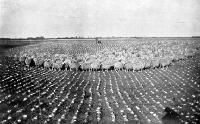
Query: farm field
{"x":4,"y":48}
{"x":42,"y":95}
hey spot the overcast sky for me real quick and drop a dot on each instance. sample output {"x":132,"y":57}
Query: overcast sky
{"x":62,"y":18}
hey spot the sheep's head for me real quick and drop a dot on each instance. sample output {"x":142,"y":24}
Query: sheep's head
{"x":35,"y":59}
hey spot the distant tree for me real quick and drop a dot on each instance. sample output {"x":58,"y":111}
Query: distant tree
{"x":4,"y":38}
{"x":40,"y":38}
{"x":196,"y":36}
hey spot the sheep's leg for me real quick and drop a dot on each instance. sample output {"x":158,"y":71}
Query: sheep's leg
{"x":167,"y":66}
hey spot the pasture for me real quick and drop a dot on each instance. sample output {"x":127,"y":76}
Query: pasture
{"x":116,"y":81}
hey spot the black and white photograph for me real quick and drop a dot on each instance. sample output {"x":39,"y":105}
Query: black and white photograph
{"x":99,"y":62}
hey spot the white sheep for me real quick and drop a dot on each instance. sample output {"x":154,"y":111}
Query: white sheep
{"x":28,"y":61}
{"x":106,"y":65}
{"x":57,"y":64}
{"x":22,"y":58}
{"x":74,"y":65}
{"x":95,"y":65}
{"x":138,"y":64}
{"x":165,"y":61}
{"x":66,"y":63}
{"x":85,"y":66}
{"x":38,"y":61}
{"x":118,"y":65}
{"x":147,"y":63}
{"x":47,"y":64}
{"x":128,"y":66}
{"x":15,"y":57}
{"x":155,"y":62}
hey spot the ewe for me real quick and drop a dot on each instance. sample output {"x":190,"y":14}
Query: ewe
{"x":57,"y":64}
{"x":85,"y":66}
{"x":74,"y":66}
{"x":118,"y":65}
{"x":138,"y":64}
{"x":147,"y":62}
{"x":128,"y":66}
{"x":22,"y":58}
{"x":66,"y":63}
{"x":15,"y":57}
{"x":28,"y":61}
{"x":106,"y":65}
{"x":47,"y":63}
{"x":165,"y":61}
{"x":95,"y":65}
{"x":155,"y":62}
{"x":38,"y":61}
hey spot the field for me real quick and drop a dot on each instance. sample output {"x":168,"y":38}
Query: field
{"x":45,"y":95}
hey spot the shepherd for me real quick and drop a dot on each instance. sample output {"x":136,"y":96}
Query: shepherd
{"x":97,"y":40}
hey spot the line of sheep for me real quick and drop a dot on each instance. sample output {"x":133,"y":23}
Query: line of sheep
{"x":132,"y":58}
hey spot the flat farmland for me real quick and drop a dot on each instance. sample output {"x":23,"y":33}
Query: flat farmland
{"x":42,"y":95}
{"x":99,"y":96}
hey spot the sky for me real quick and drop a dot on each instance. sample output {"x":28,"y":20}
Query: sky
{"x":125,"y":18}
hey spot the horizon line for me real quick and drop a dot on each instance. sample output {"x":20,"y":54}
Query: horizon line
{"x":86,"y":37}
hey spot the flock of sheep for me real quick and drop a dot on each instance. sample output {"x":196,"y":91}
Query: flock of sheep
{"x":133,"y":58}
